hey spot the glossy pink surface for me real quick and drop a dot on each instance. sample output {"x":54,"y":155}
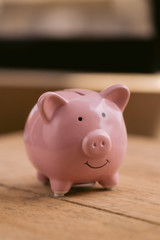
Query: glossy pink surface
{"x":78,"y":136}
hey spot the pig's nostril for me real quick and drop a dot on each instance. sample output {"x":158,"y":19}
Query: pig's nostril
{"x":94,"y":145}
{"x":102,"y":143}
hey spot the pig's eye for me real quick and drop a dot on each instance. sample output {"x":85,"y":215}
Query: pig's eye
{"x":103,"y":114}
{"x":80,"y":119}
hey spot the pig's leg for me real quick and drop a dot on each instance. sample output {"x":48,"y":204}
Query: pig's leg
{"x":42,"y":178}
{"x":110,"y":182}
{"x":60,"y":187}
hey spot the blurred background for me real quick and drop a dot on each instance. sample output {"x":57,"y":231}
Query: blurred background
{"x":54,"y":44}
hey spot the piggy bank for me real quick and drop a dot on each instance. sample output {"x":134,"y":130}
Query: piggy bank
{"x":78,"y":136}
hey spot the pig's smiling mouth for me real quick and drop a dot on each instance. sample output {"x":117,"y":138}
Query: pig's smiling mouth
{"x":107,"y":161}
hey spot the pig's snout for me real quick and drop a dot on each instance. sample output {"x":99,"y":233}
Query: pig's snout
{"x":96,"y":144}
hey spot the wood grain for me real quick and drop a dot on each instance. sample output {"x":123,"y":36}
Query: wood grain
{"x":131,"y":211}
{"x":45,"y":2}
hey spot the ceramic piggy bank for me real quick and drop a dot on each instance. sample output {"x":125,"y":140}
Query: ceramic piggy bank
{"x":78,"y":136}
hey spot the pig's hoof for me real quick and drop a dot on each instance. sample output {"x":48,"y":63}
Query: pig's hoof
{"x":59,"y":194}
{"x":60,"y":187}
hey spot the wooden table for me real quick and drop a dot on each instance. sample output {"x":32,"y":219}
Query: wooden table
{"x":29,"y":210}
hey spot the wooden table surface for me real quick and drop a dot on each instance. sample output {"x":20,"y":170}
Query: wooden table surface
{"x":29,"y":210}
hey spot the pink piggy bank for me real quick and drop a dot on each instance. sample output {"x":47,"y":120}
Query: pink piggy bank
{"x":78,"y":136}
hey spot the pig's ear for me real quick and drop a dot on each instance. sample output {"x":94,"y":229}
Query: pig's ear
{"x":48,"y":103}
{"x":119,"y":94}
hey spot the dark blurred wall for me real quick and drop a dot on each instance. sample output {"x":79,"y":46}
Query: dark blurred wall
{"x":108,"y":36}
